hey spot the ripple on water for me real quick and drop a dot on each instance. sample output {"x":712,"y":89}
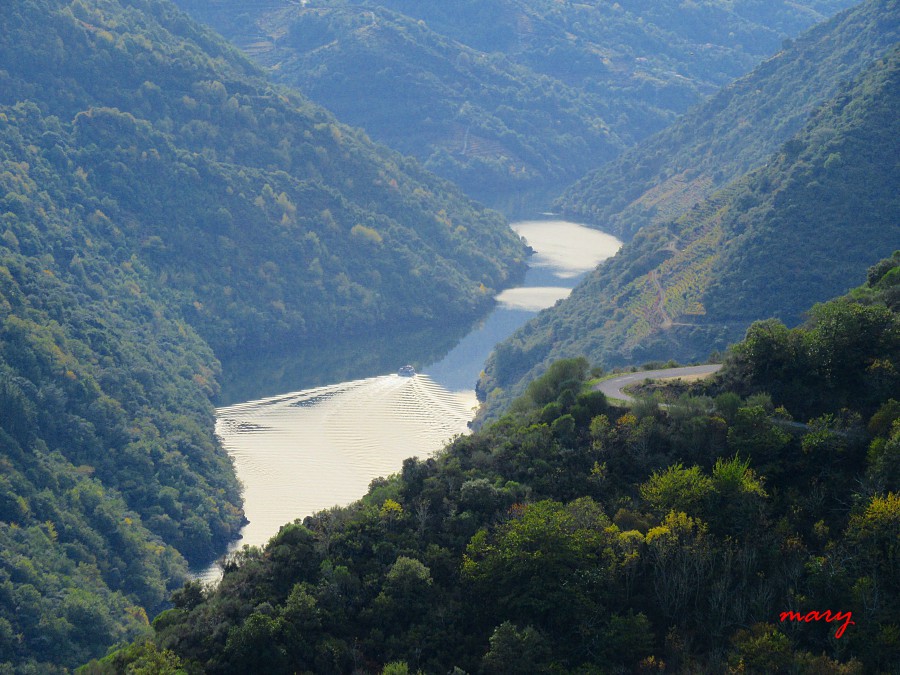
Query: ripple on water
{"x":302,"y":452}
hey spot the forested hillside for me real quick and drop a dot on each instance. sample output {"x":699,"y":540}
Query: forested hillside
{"x":227,"y":180}
{"x":111,"y":477}
{"x":512,"y":99}
{"x":804,"y":227}
{"x":737,"y":129}
{"x":163,"y":206}
{"x":573,"y":536}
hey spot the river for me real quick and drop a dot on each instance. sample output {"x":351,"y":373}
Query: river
{"x":304,"y":451}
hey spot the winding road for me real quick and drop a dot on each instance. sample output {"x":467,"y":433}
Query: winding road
{"x":614,"y":387}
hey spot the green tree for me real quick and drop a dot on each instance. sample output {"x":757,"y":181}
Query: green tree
{"x":548,"y":557}
{"x":678,"y":489}
{"x":255,"y":646}
{"x":876,"y":531}
{"x":514,"y":651}
{"x":566,"y":375}
{"x":680,"y":558}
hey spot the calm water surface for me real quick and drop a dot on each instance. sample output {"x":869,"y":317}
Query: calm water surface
{"x":305,"y":451}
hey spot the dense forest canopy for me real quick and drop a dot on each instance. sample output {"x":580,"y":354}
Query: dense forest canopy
{"x":227,"y":180}
{"x":512,"y":99}
{"x":575,"y":536}
{"x":803,"y":228}
{"x":163,"y":206}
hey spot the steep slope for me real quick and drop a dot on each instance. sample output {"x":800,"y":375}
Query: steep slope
{"x":510,"y":98}
{"x":573,"y":536}
{"x":473,"y":117}
{"x":737,"y":129}
{"x":111,"y":476}
{"x":804,"y":227}
{"x":226,"y":181}
{"x":158,"y":196}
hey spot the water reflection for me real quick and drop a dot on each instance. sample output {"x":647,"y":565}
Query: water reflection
{"x":301,"y":452}
{"x":564,"y":252}
{"x":306,"y":365}
{"x":533,"y":298}
{"x":567,"y":249}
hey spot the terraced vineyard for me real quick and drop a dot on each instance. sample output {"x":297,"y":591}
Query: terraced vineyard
{"x":825,"y":207}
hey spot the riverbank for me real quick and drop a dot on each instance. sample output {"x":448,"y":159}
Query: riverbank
{"x":308,"y":450}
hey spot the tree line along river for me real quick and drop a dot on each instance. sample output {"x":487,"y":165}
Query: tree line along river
{"x":304,"y":451}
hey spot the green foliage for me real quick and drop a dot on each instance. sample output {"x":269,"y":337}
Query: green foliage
{"x":513,"y":552}
{"x":511,"y":99}
{"x":546,"y":558}
{"x":677,"y":489}
{"x":111,"y":476}
{"x":140,"y":658}
{"x":158,"y":196}
{"x":844,"y":356}
{"x":237,"y":197}
{"x":737,"y":130}
{"x":877,"y":531}
{"x":160,"y":200}
{"x":761,"y":247}
{"x":562,"y":376}
{"x":395,"y":668}
{"x":514,"y":651}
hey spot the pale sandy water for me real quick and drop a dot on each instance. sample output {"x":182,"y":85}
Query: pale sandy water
{"x":305,"y":451}
{"x":564,"y":252}
{"x":309,"y":450}
{"x":568,"y":249}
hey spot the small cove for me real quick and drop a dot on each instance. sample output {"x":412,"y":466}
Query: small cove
{"x":311,"y":449}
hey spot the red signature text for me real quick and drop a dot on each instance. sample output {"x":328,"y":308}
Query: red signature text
{"x":827,"y":616}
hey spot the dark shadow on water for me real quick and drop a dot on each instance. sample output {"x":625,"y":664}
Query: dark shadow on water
{"x":337,"y":359}
{"x":460,"y":368}
{"x":452,"y":355}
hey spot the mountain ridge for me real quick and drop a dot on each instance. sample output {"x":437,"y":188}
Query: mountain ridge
{"x":545,"y":91}
{"x":162,"y":206}
{"x":577,"y":536}
{"x":736,"y":130}
{"x":760,"y":247}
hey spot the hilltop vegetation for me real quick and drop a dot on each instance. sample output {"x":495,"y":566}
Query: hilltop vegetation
{"x":804,"y":227}
{"x":111,"y":478}
{"x":224,"y":181}
{"x":737,"y":129}
{"x":573,"y":536}
{"x":512,"y":99}
{"x":163,"y":206}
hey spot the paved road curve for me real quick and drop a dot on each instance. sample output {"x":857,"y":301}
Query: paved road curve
{"x":613,"y":387}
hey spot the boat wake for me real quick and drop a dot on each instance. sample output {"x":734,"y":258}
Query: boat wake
{"x":302,"y":452}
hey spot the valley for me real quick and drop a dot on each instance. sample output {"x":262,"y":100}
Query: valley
{"x":771,"y":243}
{"x":511,"y":99}
{"x":184,"y":225}
{"x":307,"y":451}
{"x":696,"y":519}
